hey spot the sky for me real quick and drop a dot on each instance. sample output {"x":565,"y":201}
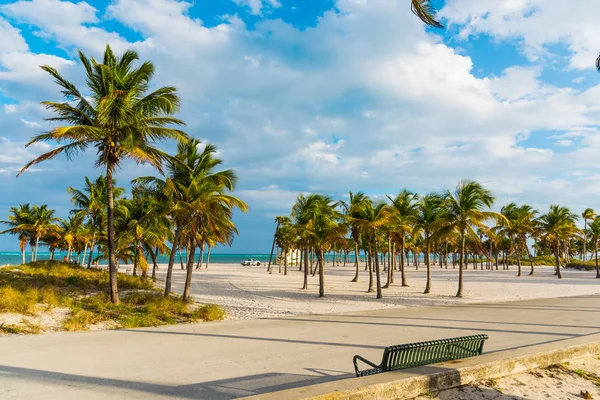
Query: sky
{"x":327,"y":96}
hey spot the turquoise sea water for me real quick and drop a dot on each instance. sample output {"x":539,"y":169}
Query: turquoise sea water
{"x":14,"y":258}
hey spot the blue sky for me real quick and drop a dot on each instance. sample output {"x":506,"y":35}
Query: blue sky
{"x":329,"y":96}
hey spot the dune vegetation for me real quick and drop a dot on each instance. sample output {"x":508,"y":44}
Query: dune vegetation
{"x":36,"y":289}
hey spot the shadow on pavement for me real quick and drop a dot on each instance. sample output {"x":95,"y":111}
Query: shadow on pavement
{"x":219,"y":389}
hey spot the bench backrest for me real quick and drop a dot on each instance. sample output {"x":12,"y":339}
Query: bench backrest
{"x":435,"y":351}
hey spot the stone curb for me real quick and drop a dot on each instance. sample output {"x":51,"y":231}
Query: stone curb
{"x":410,"y":383}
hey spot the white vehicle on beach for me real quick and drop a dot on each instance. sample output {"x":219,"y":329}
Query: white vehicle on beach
{"x":250,"y":261}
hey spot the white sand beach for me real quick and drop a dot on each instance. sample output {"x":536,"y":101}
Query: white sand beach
{"x":250,"y":292}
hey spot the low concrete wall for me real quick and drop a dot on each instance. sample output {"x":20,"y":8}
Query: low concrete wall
{"x":412,"y":382}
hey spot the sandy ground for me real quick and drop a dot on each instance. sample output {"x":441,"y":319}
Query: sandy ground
{"x":250,"y":292}
{"x":542,"y":384}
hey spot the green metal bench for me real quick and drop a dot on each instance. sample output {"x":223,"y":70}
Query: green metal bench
{"x":423,"y":353}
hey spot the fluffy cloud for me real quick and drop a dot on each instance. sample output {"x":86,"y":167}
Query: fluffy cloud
{"x":366,"y":99}
{"x":539,"y":23}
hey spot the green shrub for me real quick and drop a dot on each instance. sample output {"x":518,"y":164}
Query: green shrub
{"x":582,"y":265}
{"x":81,"y":319}
{"x":209,"y":312}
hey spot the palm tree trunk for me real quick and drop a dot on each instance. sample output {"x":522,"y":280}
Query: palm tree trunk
{"x":285,"y":264}
{"x":136,"y":258}
{"x":84,"y":253}
{"x":356,"y":251}
{"x":427,"y":262}
{"x":518,"y":254}
{"x":530,"y":260}
{"x":377,"y":276}
{"x":402,"y":261}
{"x":154,"y":264}
{"x":305,"y":286}
{"x":112,"y":260}
{"x":597,"y":268}
{"x":370,"y":266}
{"x":557,"y":257}
{"x":201,"y":257}
{"x":23,"y":246}
{"x":37,"y":242}
{"x":207,"y":257}
{"x":190,"y":268}
{"x":321,"y":266}
{"x":583,"y":256}
{"x":92,"y":245}
{"x":461,"y":264}
{"x":172,"y":260}
{"x":273,"y":247}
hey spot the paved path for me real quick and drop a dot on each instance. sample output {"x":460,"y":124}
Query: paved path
{"x":230,"y":359}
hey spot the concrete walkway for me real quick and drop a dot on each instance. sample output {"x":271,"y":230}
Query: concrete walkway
{"x":231,"y":359}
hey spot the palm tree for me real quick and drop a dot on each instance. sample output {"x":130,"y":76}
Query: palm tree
{"x":19,"y":218}
{"x":142,"y":223}
{"x":370,"y":220}
{"x":118,"y":117}
{"x":355,"y":209}
{"x":41,"y":221}
{"x":189,"y":190}
{"x":300,"y":218}
{"x":594,"y":230}
{"x":465,"y":210}
{"x":426,"y":12}
{"x":91,"y":203}
{"x":428,"y":221}
{"x":279,"y":221}
{"x":69,"y":230}
{"x":588,"y":213}
{"x":403,"y":214}
{"x":322,"y":227}
{"x":509,"y":227}
{"x":558,"y":226}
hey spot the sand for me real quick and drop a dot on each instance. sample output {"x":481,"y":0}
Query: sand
{"x":542,"y":384}
{"x":250,"y":292}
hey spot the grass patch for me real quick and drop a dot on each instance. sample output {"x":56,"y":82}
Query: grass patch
{"x":85,"y":293}
{"x":588,"y":376}
{"x":25,"y":328}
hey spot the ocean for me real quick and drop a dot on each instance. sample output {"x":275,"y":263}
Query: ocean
{"x":14,"y":258}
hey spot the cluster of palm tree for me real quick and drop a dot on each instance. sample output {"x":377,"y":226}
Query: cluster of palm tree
{"x":457,"y":226}
{"x":190,"y":206}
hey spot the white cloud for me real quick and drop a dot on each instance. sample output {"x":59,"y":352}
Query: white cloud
{"x":539,"y":23}
{"x":257,"y":6}
{"x":367,"y":99}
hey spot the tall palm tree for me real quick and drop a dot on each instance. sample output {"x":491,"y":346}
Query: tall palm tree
{"x":594,"y":230}
{"x":403,"y":214}
{"x":118,"y":117}
{"x":558,"y":226}
{"x":466,"y":210}
{"x":91,"y":203}
{"x":355,"y":209}
{"x":588,"y":213}
{"x":19,"y":218}
{"x":428,"y":221}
